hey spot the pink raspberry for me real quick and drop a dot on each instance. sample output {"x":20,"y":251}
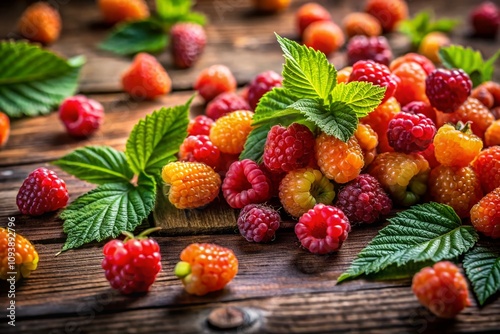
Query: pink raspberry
{"x":42,"y":191}
{"x":322,"y":229}
{"x":289,"y":148}
{"x":224,"y":104}
{"x":245,"y":183}
{"x":376,"y":73}
{"x":447,"y":90}
{"x":409,"y":133}
{"x":485,"y":19}
{"x":363,"y":200}
{"x":200,"y":149}
{"x":261,"y":84}
{"x":374,"y":48}
{"x":200,"y":125}
{"x":258,"y":223}
{"x":80,"y":115}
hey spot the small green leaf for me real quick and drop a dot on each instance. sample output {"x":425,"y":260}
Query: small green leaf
{"x":107,"y":211}
{"x":171,"y":9}
{"x":32,"y":80}
{"x":133,"y":37}
{"x":194,"y":17}
{"x":307,"y":72}
{"x":339,"y":120}
{"x":361,"y":97}
{"x":155,"y":140}
{"x":254,"y":145}
{"x":277,"y":99}
{"x":422,"y":24}
{"x":482,"y":267}
{"x":426,"y":232}
{"x":96,"y":164}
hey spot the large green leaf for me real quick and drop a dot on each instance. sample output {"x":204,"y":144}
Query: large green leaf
{"x":32,"y":80}
{"x":426,"y":232}
{"x":107,"y":211}
{"x":361,"y":97}
{"x":96,"y":164}
{"x":482,"y":267}
{"x":155,"y":140}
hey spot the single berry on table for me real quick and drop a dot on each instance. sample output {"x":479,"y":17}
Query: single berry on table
{"x":432,"y":43}
{"x":225,"y":103}
{"x":146,"y":78}
{"x":487,"y":167}
{"x":199,"y":149}
{"x":215,"y":80}
{"x":41,"y":23}
{"x":258,"y":223}
{"x":375,"y":73}
{"x":4,"y":129}
{"x":361,"y":24}
{"x":188,"y":42}
{"x":485,"y":216}
{"x":309,"y":13}
{"x":447,"y":90}
{"x":324,"y":36}
{"x":115,"y":11}
{"x":42,"y":191}
{"x":323,"y":229}
{"x":369,"y":48}
{"x":229,"y":133}
{"x":200,"y":125}
{"x":206,"y":268}
{"x":260,"y":85}
{"x":409,"y":133}
{"x":388,"y":12}
{"x":81,"y":116}
{"x":26,"y":256}
{"x":485,"y":19}
{"x":456,"y":145}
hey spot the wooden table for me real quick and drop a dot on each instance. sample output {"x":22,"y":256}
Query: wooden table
{"x":280,"y":287}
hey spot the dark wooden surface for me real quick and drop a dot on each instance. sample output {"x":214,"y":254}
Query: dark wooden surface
{"x":282,"y":288}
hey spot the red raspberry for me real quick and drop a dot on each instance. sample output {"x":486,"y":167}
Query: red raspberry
{"x":245,"y":183}
{"x":322,"y":229}
{"x":411,"y":85}
{"x":200,"y":125}
{"x":419,"y":107}
{"x":369,"y":48}
{"x":261,"y":84}
{"x":115,"y":11}
{"x":363,"y":200}
{"x":289,"y":148}
{"x":132,"y":265}
{"x":215,"y":80}
{"x":146,"y":78}
{"x":447,"y":89}
{"x":201,"y":149}
{"x":485,"y":19}
{"x":26,"y":256}
{"x":80,"y":115}
{"x":485,"y":216}
{"x":191,"y":184}
{"x":379,"y":120}
{"x":309,"y":13}
{"x":410,"y":132}
{"x":388,"y":12}
{"x":41,"y":23}
{"x":258,"y":223}
{"x":225,"y":161}
{"x":423,"y":61}
{"x":224,"y":104}
{"x":442,"y":289}
{"x":188,"y":42}
{"x":324,"y":36}
{"x":487,"y":167}
{"x":205,"y":268}
{"x":361,"y":24}
{"x":377,"y":74}
{"x":456,"y":145}
{"x":229,"y":133}
{"x":4,"y":129}
{"x":42,"y":191}
{"x":430,"y":155}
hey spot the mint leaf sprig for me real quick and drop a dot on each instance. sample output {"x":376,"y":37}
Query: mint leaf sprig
{"x":424,"y":23}
{"x":310,"y":95}
{"x":151,"y":34}
{"x":127,"y":180}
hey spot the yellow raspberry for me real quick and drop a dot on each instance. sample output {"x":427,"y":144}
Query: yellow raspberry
{"x":456,"y":146}
{"x":192,"y":184}
{"x":431,"y":44}
{"x":339,"y":161}
{"x":229,"y":133}
{"x":368,"y":141}
{"x":25,"y":257}
{"x":344,"y":74}
{"x":379,"y":120}
{"x":492,"y":134}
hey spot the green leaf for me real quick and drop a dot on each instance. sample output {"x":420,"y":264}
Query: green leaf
{"x":422,"y":24}
{"x":307,"y":72}
{"x":426,"y":232}
{"x":96,"y":164}
{"x":155,"y":140}
{"x":361,"y":97}
{"x":32,"y":80}
{"x":482,"y":267}
{"x":107,"y":211}
{"x":170,"y":9}
{"x":194,"y":17}
{"x":274,"y":101}
{"x":133,"y":37}
{"x":254,"y":145}
{"x":339,"y":120}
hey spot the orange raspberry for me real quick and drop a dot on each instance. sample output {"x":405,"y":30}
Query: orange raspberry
{"x":339,"y":161}
{"x":114,"y":11}
{"x":470,"y":111}
{"x":368,"y":141}
{"x":361,"y":24}
{"x":309,"y":13}
{"x":344,"y":74}
{"x":40,"y":22}
{"x":206,"y":267}
{"x":403,"y":176}
{"x":485,"y":216}
{"x":492,"y":134}
{"x":25,"y":257}
{"x":4,"y":128}
{"x":229,"y":132}
{"x":146,"y":78}
{"x":442,"y":289}
{"x":411,"y":86}
{"x":324,"y":36}
{"x":379,"y":120}
{"x":388,"y":12}
{"x":431,"y":43}
{"x":483,"y":95}
{"x":301,"y":189}
{"x":458,"y":187}
{"x":487,"y":167}
{"x":494,"y":89}
{"x":424,"y":62}
{"x":192,"y":184}
{"x":271,"y":5}
{"x":456,"y":146}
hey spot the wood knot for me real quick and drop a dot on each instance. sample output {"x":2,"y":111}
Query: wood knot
{"x":226,"y":318}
